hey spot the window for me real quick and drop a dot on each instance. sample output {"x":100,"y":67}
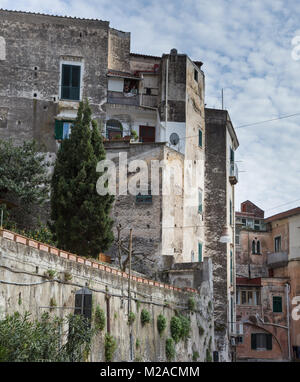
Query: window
{"x":143,"y":199}
{"x":231,"y":155}
{"x":253,"y":247}
{"x":237,"y":239}
{"x":147,"y":134}
{"x":114,"y":129}
{"x":196,"y":75}
{"x":200,"y":256}
{"x":62,"y":129}
{"x":261,"y":341}
{"x":248,"y":297}
{"x":258,"y":247}
{"x":257,"y":225}
{"x":200,"y":202}
{"x":239,"y":339}
{"x":244,"y":221}
{"x":2,"y":49}
{"x":200,"y":141}
{"x":277,"y":304}
{"x":148,"y":91}
{"x":70,"y":82}
{"x":83,"y":303}
{"x":277,"y":242}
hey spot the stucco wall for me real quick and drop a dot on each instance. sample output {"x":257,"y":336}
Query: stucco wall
{"x":24,"y":287}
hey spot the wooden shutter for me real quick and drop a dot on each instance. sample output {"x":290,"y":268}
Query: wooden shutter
{"x":200,"y":257}
{"x":269,"y":341}
{"x":253,"y":341}
{"x":59,"y":129}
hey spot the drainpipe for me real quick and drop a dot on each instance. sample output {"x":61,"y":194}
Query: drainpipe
{"x":167,"y":92}
{"x":288,"y":317}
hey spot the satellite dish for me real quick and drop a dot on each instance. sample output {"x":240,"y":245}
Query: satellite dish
{"x":174,"y":139}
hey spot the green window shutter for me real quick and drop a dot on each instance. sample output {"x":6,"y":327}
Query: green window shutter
{"x":200,"y":257}
{"x":253,"y":341}
{"x":277,"y":304}
{"x":200,"y":202}
{"x":200,"y":138}
{"x":59,"y":129}
{"x":269,"y":341}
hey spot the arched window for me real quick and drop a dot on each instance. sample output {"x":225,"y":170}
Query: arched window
{"x":258,"y":247}
{"x":2,"y":49}
{"x":83,"y":303}
{"x":253,"y":247}
{"x":114,"y":129}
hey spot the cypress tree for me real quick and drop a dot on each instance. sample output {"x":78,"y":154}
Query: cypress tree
{"x":80,"y":217}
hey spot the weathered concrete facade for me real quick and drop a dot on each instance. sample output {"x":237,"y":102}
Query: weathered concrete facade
{"x":24,"y":287}
{"x":220,"y":142}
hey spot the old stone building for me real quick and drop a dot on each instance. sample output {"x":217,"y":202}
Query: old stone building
{"x":221,"y":176}
{"x":149,"y":108}
{"x":267,"y":269}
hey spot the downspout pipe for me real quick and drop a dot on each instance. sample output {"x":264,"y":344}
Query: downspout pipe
{"x":288,"y":317}
{"x":167,"y":92}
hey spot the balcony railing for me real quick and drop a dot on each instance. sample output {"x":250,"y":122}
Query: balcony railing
{"x":277,"y":259}
{"x":234,"y":173}
{"x":123,"y":98}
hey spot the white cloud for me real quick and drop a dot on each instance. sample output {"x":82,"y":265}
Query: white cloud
{"x":246,"y":49}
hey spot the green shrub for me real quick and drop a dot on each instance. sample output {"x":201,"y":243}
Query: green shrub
{"x":176,"y":328}
{"x":161,"y":324}
{"x":170,"y":349}
{"x":195,"y":356}
{"x":191,"y":304}
{"x":145,"y":317}
{"x":131,"y":318}
{"x":185,"y":327}
{"x":99,"y":319}
{"x":110,"y":347}
{"x":50,"y":274}
{"x":138,"y":305}
{"x":137,"y":343}
{"x":208,"y":356}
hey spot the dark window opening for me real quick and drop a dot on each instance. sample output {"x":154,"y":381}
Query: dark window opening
{"x":277,"y":304}
{"x":131,"y":87}
{"x":196,"y":75}
{"x":83,"y":303}
{"x":277,"y":242}
{"x":70,"y":84}
{"x":200,"y":140}
{"x":147,"y":134}
{"x":261,"y":341}
{"x":148,"y":91}
{"x":114,"y":129}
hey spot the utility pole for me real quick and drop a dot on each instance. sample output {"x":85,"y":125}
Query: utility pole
{"x":222,"y":99}
{"x":129,"y":292}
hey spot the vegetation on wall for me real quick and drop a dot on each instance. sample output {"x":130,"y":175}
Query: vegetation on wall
{"x":99,"y":319}
{"x":170,"y":349}
{"x":110,"y":347}
{"x":180,"y":327}
{"x":191,"y":304}
{"x":81,"y":221}
{"x":23,"y":340}
{"x":131,"y":318}
{"x":161,"y":324}
{"x":145,"y":317}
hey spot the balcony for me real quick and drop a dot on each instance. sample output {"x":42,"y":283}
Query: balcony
{"x":121,"y":98}
{"x":234,"y":173}
{"x":277,"y":259}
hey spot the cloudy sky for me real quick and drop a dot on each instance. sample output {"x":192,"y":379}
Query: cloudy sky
{"x":246,"y":48}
